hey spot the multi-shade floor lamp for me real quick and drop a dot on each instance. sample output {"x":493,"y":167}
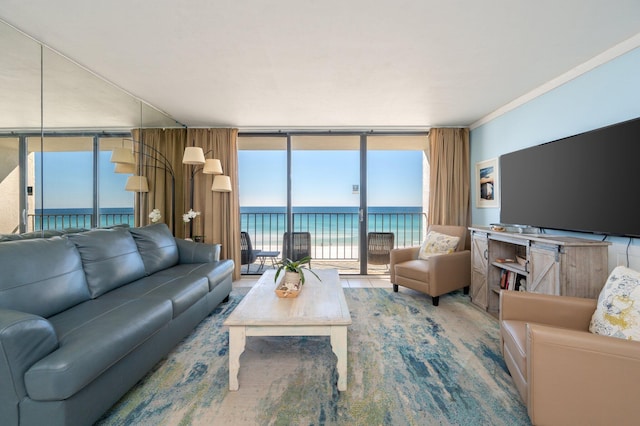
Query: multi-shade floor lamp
{"x":125,"y":162}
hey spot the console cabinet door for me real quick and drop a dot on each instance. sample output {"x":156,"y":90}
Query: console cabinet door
{"x":545,"y":269}
{"x":479,"y":269}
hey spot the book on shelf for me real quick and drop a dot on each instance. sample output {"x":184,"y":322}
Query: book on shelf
{"x":510,"y":280}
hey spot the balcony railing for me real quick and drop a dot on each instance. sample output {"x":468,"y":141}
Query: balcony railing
{"x":73,"y":220}
{"x":333,"y":235}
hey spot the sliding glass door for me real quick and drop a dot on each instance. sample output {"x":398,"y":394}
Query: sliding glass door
{"x":325,"y":198}
{"x":262,"y":182}
{"x":335,"y":192}
{"x":397,"y":196}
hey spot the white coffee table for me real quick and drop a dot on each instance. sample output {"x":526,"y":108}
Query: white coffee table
{"x":319,"y":310}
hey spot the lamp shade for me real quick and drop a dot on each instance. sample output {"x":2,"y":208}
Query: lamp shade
{"x":125,"y":168}
{"x":193,"y":155}
{"x":212,"y":166}
{"x":221,"y":184}
{"x":122,"y":155}
{"x":137,"y":184}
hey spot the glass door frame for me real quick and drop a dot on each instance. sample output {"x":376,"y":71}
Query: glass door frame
{"x":363,"y":202}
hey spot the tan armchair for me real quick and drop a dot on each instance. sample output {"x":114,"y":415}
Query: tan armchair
{"x":438,"y":275}
{"x":565,"y":374}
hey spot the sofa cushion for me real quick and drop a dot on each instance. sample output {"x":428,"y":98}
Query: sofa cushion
{"x":183,"y":292}
{"x":110,"y":258}
{"x":157,"y":246}
{"x":41,"y":276}
{"x":93,"y":336}
{"x":414,"y":269}
{"x":436,"y":244}
{"x":618,"y":310}
{"x":215,"y":272}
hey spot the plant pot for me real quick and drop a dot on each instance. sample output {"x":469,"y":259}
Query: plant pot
{"x":289,"y":286}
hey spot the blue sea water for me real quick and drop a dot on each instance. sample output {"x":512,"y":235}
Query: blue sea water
{"x":81,"y":217}
{"x":335,"y":228}
{"x":330,"y":226}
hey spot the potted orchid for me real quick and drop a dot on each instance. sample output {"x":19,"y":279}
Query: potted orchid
{"x":155,"y":215}
{"x":193,"y":215}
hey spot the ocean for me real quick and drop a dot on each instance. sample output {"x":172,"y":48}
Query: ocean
{"x":334,"y":230}
{"x":81,"y":218}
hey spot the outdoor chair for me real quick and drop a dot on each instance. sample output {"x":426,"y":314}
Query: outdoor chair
{"x":247,"y":254}
{"x":379,"y":246}
{"x":300,"y":246}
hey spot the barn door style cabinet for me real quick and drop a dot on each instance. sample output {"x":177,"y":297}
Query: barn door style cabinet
{"x":549,"y":264}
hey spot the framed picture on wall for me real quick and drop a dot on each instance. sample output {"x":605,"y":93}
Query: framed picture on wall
{"x":487,"y":191}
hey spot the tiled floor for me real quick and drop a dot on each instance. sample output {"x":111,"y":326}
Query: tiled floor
{"x":351,"y":281}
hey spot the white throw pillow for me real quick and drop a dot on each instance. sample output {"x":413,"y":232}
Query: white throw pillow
{"x":436,"y":244}
{"x":618,"y":311}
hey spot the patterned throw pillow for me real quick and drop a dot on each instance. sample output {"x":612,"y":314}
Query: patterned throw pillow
{"x":436,"y":243}
{"x":618,"y":311}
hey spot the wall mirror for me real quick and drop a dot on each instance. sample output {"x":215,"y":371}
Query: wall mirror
{"x":58,"y":125}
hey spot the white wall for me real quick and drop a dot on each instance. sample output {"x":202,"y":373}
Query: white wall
{"x":608,"y":94}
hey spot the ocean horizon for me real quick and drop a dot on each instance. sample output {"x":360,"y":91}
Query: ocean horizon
{"x":335,"y":229}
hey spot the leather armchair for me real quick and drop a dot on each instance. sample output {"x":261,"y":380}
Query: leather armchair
{"x":565,"y":374}
{"x":438,"y":275}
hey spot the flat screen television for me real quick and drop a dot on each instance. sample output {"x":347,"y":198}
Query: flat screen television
{"x":589,"y":182}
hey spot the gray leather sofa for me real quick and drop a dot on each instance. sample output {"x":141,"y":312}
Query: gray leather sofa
{"x":84,"y":316}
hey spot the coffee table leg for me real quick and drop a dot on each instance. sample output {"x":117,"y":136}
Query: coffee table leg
{"x":339,"y":347}
{"x":237,"y":339}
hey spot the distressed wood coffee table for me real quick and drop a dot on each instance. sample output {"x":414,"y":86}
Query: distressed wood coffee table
{"x":319,"y":310}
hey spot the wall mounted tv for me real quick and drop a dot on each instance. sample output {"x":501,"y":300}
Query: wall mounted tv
{"x":588,"y":183}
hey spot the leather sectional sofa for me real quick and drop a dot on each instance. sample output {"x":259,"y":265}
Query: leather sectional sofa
{"x":86,"y":315}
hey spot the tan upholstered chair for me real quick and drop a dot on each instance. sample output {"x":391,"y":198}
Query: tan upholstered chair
{"x":565,"y":374}
{"x":439,"y":274}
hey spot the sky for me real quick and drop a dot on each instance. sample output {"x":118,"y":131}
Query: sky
{"x":326,"y":178}
{"x":69,"y":184}
{"x":320,"y":178}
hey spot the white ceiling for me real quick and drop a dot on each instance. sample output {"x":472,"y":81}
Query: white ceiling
{"x":327,"y":64}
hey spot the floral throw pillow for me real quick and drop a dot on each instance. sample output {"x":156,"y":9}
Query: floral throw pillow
{"x":618,"y":311}
{"x":436,"y":244}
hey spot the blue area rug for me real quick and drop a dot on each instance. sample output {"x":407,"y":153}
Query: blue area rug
{"x":409,"y":363}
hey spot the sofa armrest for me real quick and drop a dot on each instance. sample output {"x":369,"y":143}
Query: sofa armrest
{"x":449,"y":272}
{"x":24,"y":340}
{"x":401,"y":255}
{"x":577,"y":377}
{"x":191,"y":252}
{"x":561,"y":311}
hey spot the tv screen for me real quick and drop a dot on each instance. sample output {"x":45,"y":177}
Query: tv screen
{"x":588,"y":183}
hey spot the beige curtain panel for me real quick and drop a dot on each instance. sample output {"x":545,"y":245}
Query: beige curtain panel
{"x":160,"y":152}
{"x":219,"y":211}
{"x":450,"y":182}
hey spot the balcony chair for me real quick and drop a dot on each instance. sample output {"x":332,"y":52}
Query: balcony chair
{"x":433,"y":268}
{"x":247,"y":254}
{"x":379,"y":246}
{"x":565,"y":374}
{"x":300,"y":246}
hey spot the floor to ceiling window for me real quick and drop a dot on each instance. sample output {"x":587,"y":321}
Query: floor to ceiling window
{"x":61,"y":182}
{"x":115,"y":205}
{"x":63,"y":185}
{"x":338,"y":188}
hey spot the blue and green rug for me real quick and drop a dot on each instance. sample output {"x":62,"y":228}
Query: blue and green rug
{"x":409,"y":363}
